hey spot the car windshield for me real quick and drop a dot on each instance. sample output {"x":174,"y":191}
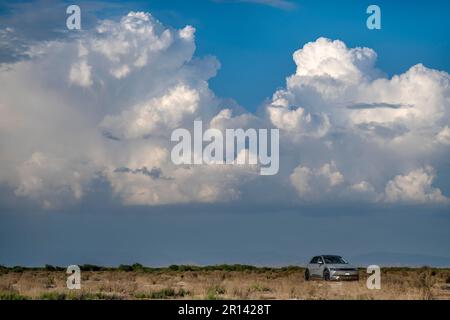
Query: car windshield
{"x":334,"y":260}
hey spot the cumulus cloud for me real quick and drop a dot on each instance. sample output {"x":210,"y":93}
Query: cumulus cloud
{"x":51,"y":180}
{"x":80,"y":74}
{"x":444,"y":136}
{"x":369,"y":126}
{"x":104,"y":105}
{"x":298,"y":122}
{"x":362,"y":187}
{"x":321,"y":180}
{"x":414,"y":187}
{"x":134,"y":42}
{"x":331,"y":77}
{"x":156,"y":115}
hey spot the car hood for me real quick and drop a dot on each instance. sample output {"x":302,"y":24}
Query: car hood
{"x":342,"y":266}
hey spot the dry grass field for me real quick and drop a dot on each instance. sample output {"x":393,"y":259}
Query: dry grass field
{"x":220,"y":282}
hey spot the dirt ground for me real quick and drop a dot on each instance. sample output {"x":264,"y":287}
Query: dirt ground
{"x":268,"y":283}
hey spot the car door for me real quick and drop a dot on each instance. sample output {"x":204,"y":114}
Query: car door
{"x":320,"y":267}
{"x":314,"y":266}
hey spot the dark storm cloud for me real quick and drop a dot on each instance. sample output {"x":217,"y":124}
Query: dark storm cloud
{"x":154,"y":173}
{"x":377,"y":105}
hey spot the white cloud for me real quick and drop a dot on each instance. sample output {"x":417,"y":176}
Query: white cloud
{"x":298,"y":122}
{"x":157,"y":115}
{"x":363,"y":187}
{"x":145,"y":176}
{"x":330,"y":172}
{"x":51,"y":181}
{"x":421,"y":93}
{"x":106,"y":103}
{"x":136,"y":41}
{"x":80,"y":74}
{"x":332,"y":59}
{"x":414,"y":187}
{"x":315,"y":183}
{"x":330,"y":79}
{"x":338,"y":106}
{"x":142,"y":82}
{"x":300,"y":179}
{"x":444,"y":136}
{"x":187,"y":33}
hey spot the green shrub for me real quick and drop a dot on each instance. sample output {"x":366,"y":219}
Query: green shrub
{"x":53,"y":296}
{"x":260,"y":288}
{"x":173,"y":267}
{"x":125,"y":267}
{"x":12,"y":296}
{"x":98,"y":296}
{"x":163,"y":294}
{"x":141,"y":295}
{"x":49,"y":267}
{"x":3,"y":270}
{"x":78,"y":296}
{"x":90,"y":267}
{"x":18,"y":269}
{"x":183,"y":293}
{"x":137,"y":267}
{"x":214,"y":292}
{"x":184,"y":268}
{"x":166,"y":293}
{"x":292,"y":269}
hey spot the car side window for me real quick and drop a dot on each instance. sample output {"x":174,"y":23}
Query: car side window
{"x":319,"y":260}
{"x":314,"y":260}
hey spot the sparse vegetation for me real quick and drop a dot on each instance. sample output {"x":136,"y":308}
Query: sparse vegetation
{"x":258,"y":287}
{"x":53,"y":296}
{"x":98,"y":296}
{"x":18,"y":269}
{"x":215,"y":282}
{"x":125,"y":267}
{"x":214,"y":292}
{"x":91,"y":267}
{"x":166,"y":293}
{"x":78,"y":296}
{"x":426,"y":282}
{"x":12,"y":296}
{"x":50,"y":283}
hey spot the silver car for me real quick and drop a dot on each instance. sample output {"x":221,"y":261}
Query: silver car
{"x":330,"y":267}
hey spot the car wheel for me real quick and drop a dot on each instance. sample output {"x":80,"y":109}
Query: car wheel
{"x":307,"y":275}
{"x":326,"y":275}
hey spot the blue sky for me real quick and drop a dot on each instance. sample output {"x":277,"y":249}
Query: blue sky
{"x":63,"y":201}
{"x":253,"y":41}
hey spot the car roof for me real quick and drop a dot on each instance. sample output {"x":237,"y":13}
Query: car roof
{"x":326,"y":255}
